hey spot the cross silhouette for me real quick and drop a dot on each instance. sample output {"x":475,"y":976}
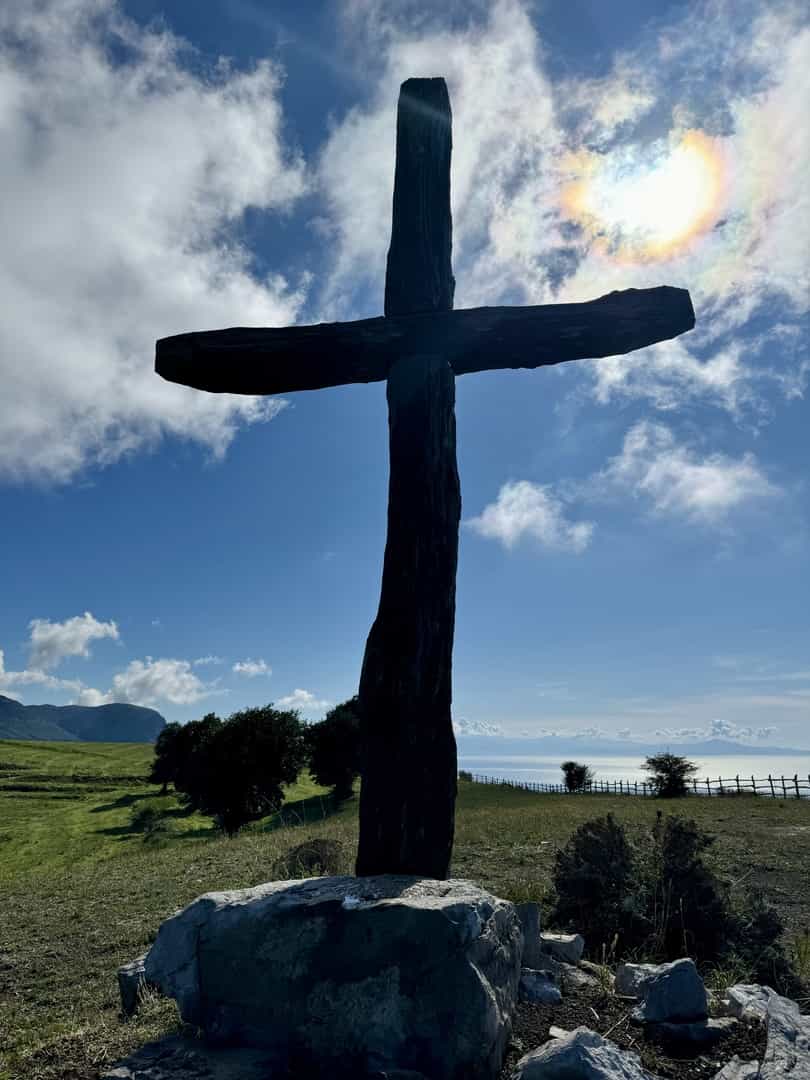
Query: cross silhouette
{"x":408,"y":776}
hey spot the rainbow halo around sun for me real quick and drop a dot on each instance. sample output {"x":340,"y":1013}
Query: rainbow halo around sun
{"x":640,"y":210}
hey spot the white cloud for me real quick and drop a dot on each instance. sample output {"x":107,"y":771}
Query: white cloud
{"x":34,"y":677}
{"x":203,"y":661}
{"x":678,"y":481}
{"x":251,"y":668}
{"x":88,"y":695}
{"x":461,"y":726}
{"x":121,"y":180}
{"x":304,"y":700}
{"x":718,"y":729}
{"x":526,"y":509}
{"x":521,"y":137}
{"x":145,"y":683}
{"x":51,"y":642}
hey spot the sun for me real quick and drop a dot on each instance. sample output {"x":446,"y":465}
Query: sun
{"x":642,"y":210}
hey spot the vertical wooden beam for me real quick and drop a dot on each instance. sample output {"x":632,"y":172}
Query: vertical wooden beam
{"x":408,"y":789}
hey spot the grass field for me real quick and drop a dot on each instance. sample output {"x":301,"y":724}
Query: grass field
{"x":81,"y":893}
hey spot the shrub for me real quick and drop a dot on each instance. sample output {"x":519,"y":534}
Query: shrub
{"x":577,"y":777}
{"x":463,"y":774}
{"x":333,"y":746}
{"x":688,"y":906}
{"x":153,"y":823}
{"x":236,"y":772}
{"x":660,"y":901}
{"x":669,"y":774}
{"x":313,"y":858}
{"x":596,"y":886}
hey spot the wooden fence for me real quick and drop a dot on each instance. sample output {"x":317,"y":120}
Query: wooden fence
{"x":773,"y":787}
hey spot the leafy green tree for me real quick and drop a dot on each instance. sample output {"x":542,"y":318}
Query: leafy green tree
{"x":334,"y":748}
{"x":166,"y":762}
{"x":577,"y":777}
{"x":669,"y":775}
{"x":238,"y":772}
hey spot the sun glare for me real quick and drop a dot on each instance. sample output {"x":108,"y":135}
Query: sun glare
{"x":648,"y":210}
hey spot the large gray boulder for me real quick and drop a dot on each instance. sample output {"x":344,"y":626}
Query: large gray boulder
{"x":787,"y":1054}
{"x":675,"y":993}
{"x":580,"y":1055}
{"x":349,"y":974}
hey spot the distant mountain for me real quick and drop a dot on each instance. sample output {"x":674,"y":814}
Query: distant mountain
{"x":564,"y":746}
{"x":90,"y":723}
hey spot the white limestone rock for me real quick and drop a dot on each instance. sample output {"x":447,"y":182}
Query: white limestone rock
{"x":567,"y":948}
{"x":580,"y":1055}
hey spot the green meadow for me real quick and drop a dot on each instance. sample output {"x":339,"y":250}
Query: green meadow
{"x":81,"y":892}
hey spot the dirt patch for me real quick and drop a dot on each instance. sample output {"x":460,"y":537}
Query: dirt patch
{"x":607,"y":1014}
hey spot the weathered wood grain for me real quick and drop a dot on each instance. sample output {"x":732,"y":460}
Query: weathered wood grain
{"x":408,"y":777}
{"x":247,"y":360}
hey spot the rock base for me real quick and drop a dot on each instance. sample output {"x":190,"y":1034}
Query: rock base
{"x":349,"y":975}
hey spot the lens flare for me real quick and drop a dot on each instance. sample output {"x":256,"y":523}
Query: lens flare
{"x":639,"y":211}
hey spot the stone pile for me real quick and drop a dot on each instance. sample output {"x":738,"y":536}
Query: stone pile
{"x":413,"y":979}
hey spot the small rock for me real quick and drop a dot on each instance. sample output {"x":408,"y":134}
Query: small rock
{"x":131,"y":983}
{"x":565,"y":947}
{"x":574,"y":978}
{"x":747,"y":1001}
{"x":674,"y":993}
{"x":537,"y":986}
{"x":580,"y":1055}
{"x":631,"y":977}
{"x":555,"y":1032}
{"x":737,"y":1069}
{"x":529,"y":915}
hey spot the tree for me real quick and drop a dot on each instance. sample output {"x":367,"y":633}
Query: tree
{"x":195,"y":762}
{"x":334,"y":748}
{"x":237,"y":773}
{"x":669,"y":774}
{"x":577,"y":776}
{"x":167,"y":757}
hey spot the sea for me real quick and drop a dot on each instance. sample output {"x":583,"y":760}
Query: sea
{"x":546,"y":770}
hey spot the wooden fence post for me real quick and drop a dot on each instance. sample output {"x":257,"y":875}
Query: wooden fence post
{"x":770,"y":781}
{"x":753,"y":785}
{"x":720,"y":782}
{"x":784,"y":788}
{"x":708,"y":787}
{"x":796,"y":783}
{"x":738,"y":783}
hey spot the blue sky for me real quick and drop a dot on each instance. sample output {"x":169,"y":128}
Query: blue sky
{"x":635,"y":545}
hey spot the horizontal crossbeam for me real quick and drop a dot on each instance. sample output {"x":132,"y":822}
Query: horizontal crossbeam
{"x":245,"y":360}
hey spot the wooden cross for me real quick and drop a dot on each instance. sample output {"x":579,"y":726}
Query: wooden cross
{"x":408,"y":788}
